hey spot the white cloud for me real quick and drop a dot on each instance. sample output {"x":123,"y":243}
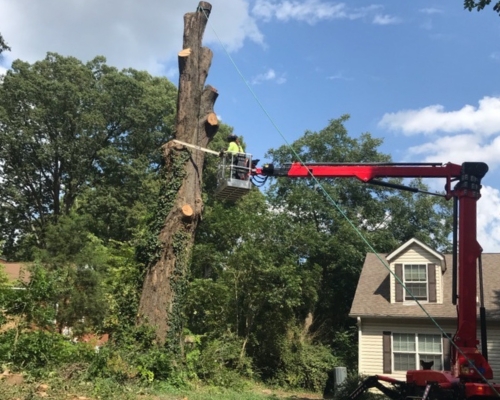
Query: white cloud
{"x":488,"y":220}
{"x":312,"y":11}
{"x":483,"y":120}
{"x":269,"y":75}
{"x":459,"y":148}
{"x":339,"y":76}
{"x":468,"y":134}
{"x":427,"y":25}
{"x":385,"y":19}
{"x":431,"y":10}
{"x":138,"y":34}
{"x":495,"y":56}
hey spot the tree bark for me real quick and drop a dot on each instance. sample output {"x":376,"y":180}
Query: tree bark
{"x":172,"y":230}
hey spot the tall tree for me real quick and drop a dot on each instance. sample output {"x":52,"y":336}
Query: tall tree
{"x":172,"y":229}
{"x":69,"y":126}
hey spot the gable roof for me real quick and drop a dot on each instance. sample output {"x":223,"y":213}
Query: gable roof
{"x":372,"y":297}
{"x":417,"y":242}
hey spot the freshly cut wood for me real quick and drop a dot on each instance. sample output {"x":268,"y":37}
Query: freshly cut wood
{"x":183,"y":57}
{"x":187,"y":210}
{"x":212,"y":119}
{"x":184,"y":53}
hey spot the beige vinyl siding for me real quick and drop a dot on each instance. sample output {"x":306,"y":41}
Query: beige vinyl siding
{"x":370,"y":347}
{"x":493,"y":338}
{"x":415,"y":254}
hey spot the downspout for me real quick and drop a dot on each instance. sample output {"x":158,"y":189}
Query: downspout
{"x":360,"y":335}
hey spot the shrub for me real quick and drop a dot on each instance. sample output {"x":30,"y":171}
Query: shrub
{"x":133,"y":355}
{"x":306,"y":365}
{"x":221,"y":363}
{"x":37,"y":350}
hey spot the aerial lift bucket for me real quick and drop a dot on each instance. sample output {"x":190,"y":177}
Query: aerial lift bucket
{"x":234,"y":176}
{"x":233,"y":173}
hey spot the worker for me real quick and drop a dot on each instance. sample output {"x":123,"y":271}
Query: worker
{"x":234,"y":144}
{"x":239,"y":159}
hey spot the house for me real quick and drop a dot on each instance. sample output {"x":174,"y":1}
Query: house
{"x":394,"y":332}
{"x":15,"y":271}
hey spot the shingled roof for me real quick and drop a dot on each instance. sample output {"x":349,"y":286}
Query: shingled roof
{"x":372,"y":298}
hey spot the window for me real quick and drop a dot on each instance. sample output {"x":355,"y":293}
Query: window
{"x":415,"y":279}
{"x":410,"y":348}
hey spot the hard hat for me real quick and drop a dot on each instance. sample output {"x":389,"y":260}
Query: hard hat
{"x":232,"y":138}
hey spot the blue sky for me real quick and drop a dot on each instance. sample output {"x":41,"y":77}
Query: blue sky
{"x":422,"y":75}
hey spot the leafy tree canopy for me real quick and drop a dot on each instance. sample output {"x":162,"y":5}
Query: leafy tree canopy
{"x":3,"y":45}
{"x":72,"y":130}
{"x":480,"y":5}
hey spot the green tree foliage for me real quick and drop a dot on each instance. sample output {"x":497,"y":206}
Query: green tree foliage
{"x":4,"y":278}
{"x":250,"y":282}
{"x":480,"y":5}
{"x":69,"y":129}
{"x":3,"y":45}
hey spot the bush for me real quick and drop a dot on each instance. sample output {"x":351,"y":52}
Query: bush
{"x":220,"y":363}
{"x":306,"y":365}
{"x":37,"y":350}
{"x":133,"y":355}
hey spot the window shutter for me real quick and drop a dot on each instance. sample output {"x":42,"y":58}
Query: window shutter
{"x":431,"y":277}
{"x":446,"y":353}
{"x":387,"y":350}
{"x":399,"y":287}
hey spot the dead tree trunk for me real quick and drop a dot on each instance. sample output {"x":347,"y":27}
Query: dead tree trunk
{"x":171,"y":233}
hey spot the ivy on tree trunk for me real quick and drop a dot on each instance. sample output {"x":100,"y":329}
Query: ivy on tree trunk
{"x":172,"y":229}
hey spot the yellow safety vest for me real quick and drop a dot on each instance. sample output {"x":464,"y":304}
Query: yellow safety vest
{"x":234,"y":148}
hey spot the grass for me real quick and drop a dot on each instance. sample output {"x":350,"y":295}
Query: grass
{"x":18,"y":387}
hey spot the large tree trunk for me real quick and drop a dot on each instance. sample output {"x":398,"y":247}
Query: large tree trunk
{"x":180,"y":204}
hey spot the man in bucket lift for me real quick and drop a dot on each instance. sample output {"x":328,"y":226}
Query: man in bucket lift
{"x":234,"y":144}
{"x":239,"y":159}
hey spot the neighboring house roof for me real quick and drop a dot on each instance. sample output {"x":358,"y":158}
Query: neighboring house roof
{"x":372,"y":298}
{"x":15,"y":271}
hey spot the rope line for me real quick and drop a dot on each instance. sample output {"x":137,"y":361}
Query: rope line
{"x":342,"y":212}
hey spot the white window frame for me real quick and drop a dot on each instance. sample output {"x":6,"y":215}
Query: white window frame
{"x":417,"y":352}
{"x":407,"y":297}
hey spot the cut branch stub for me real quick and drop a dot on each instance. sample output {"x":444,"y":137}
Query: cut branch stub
{"x":187,"y":210}
{"x":212,"y":119}
{"x":183,"y":57}
{"x":211,"y":124}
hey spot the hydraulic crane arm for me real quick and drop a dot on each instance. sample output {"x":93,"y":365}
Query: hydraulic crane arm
{"x":365,"y":172}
